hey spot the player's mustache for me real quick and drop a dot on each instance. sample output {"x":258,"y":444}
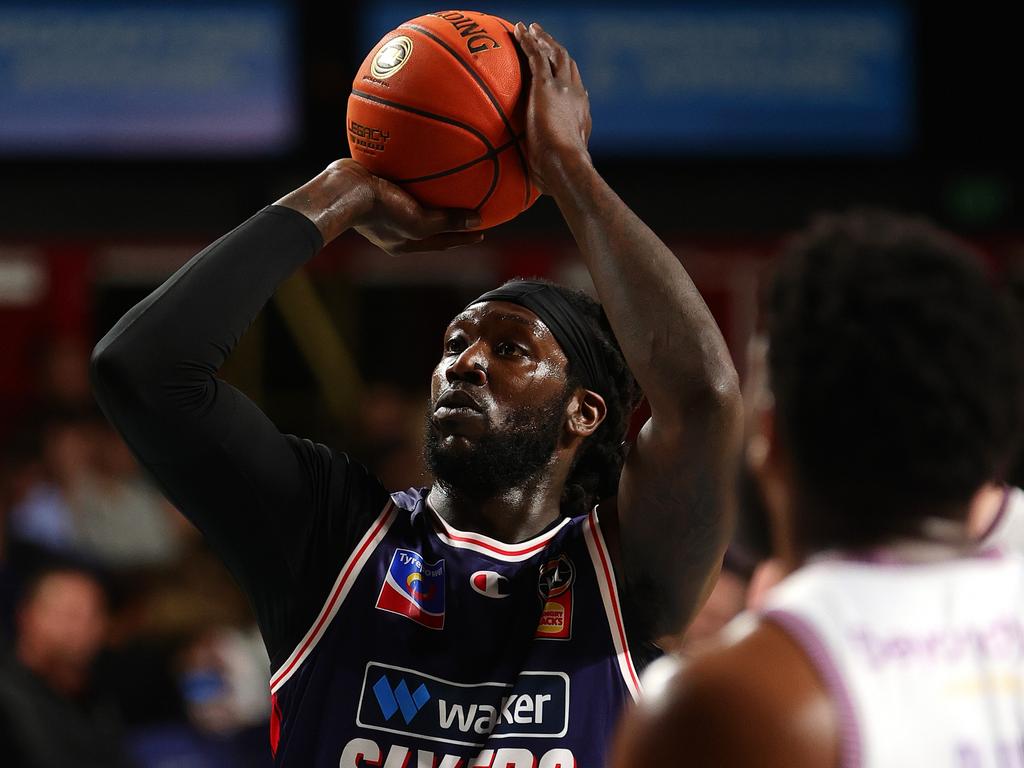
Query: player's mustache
{"x":458,"y":398}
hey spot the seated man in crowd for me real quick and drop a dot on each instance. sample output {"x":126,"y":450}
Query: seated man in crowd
{"x":51,"y":716}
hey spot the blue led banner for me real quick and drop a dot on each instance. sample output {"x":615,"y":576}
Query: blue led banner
{"x":728,"y":77}
{"x":152,"y":78}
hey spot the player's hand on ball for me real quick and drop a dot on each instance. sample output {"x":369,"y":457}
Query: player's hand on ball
{"x":397,"y":223}
{"x":558,"y":114}
{"x":347,"y":195}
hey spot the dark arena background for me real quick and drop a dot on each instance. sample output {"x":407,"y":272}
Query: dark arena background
{"x":134,"y":133}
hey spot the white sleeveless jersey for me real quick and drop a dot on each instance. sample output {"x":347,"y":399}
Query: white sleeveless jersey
{"x":923,"y":660}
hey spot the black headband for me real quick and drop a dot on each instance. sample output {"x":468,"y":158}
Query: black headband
{"x":572,"y":331}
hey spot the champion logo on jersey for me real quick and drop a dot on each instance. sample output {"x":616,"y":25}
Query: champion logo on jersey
{"x":490,"y":584}
{"x":414,"y":589}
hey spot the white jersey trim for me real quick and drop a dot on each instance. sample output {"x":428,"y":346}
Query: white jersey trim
{"x":485,"y":545}
{"x":803,"y":633}
{"x":342,"y":586}
{"x":610,"y":597}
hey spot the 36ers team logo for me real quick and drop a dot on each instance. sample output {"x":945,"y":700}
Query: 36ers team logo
{"x":414,"y":589}
{"x":555,"y":588}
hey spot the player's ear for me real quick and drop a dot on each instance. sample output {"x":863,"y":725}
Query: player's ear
{"x":985,"y":509}
{"x":586,"y":412}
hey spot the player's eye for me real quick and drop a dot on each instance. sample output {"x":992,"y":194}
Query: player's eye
{"x":505,"y":348}
{"x":454,"y":345}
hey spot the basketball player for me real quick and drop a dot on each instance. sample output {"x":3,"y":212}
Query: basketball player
{"x":893,"y":641}
{"x":496,"y":618}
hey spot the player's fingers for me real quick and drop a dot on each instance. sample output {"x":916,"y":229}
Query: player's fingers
{"x":544,"y":46}
{"x":555,"y":51}
{"x":540,"y":65}
{"x":459,"y":220}
{"x":574,"y":72}
{"x":430,"y":222}
{"x":442,"y":242}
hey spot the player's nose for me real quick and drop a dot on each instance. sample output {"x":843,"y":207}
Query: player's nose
{"x":470,"y":366}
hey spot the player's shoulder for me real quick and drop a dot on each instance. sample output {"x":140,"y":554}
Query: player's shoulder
{"x":337,"y":471}
{"x":752,"y":698}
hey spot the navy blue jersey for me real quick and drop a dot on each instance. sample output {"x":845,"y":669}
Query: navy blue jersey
{"x":447,"y":649}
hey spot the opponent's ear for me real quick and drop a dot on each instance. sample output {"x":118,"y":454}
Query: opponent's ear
{"x":985,"y":509}
{"x":586,"y":412}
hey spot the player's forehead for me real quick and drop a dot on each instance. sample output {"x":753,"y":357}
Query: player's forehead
{"x":500,"y":314}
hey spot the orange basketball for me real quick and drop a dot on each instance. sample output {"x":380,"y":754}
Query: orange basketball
{"x":438,"y":107}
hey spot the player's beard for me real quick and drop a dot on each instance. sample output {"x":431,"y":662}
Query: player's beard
{"x":501,"y":459}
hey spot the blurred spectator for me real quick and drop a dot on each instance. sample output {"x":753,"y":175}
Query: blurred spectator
{"x":42,"y":514}
{"x":84,"y":496}
{"x":223,"y":676}
{"x":51,"y":714}
{"x":121,"y":520}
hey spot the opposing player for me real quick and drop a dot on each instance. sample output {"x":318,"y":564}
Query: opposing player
{"x":894,"y":641}
{"x":496,"y":618}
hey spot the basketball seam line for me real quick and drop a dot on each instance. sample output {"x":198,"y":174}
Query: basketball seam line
{"x":424,"y":113}
{"x":441,"y":174}
{"x":519,"y":151}
{"x":449,"y":121}
{"x":487,"y":92}
{"x":496,"y":171}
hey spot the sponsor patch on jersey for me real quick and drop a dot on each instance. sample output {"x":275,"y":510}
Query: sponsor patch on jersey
{"x":556,"y":618}
{"x":555,"y":589}
{"x":407,"y":702}
{"x":414,"y":589}
{"x":490,"y":584}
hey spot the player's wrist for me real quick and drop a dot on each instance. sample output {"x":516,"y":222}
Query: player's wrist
{"x":568,"y":175}
{"x":336,"y":199}
{"x":567,"y":172}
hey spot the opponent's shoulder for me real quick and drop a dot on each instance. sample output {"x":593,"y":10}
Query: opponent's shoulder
{"x":753,"y":701}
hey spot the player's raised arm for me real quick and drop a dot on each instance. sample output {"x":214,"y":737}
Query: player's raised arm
{"x":260,"y":497}
{"x":675,"y":493}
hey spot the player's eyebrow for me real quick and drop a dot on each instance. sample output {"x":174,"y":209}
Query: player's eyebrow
{"x":531,"y":324}
{"x":464,"y":319}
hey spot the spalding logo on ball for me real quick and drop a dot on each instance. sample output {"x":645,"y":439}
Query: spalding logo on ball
{"x":439,"y":107}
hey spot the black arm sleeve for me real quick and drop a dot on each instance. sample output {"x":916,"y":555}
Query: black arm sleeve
{"x":282,"y":513}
